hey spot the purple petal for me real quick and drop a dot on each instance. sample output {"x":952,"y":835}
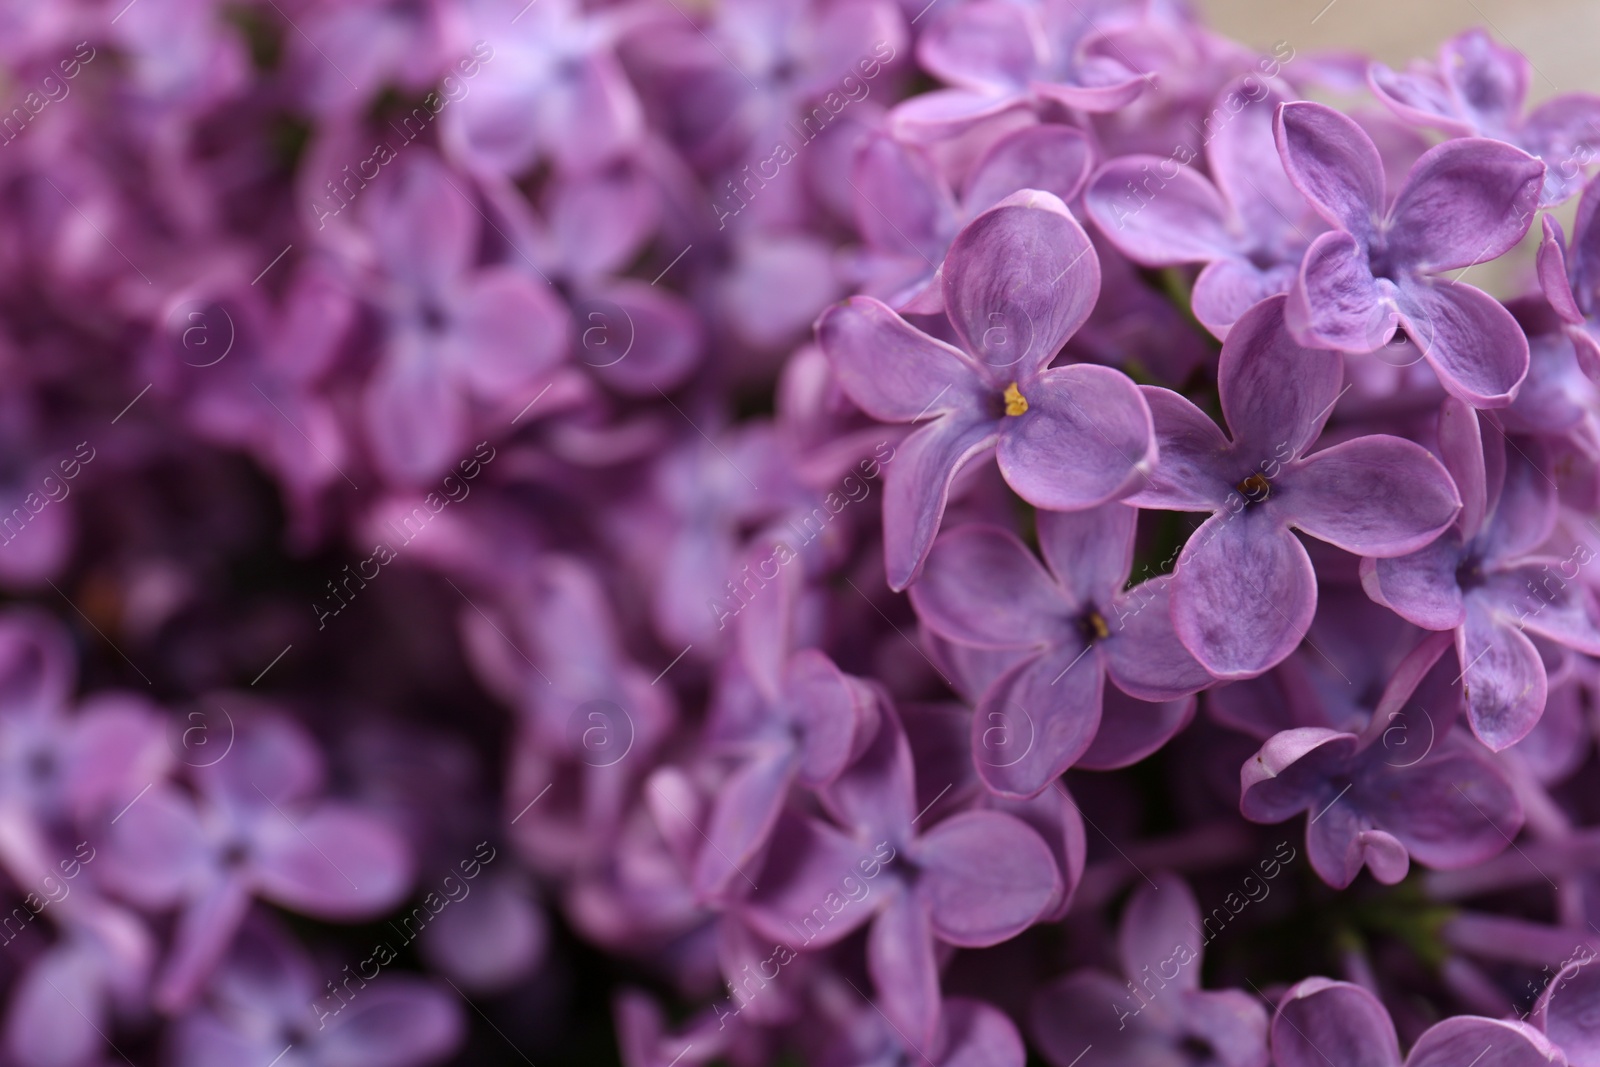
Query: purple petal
{"x":1160,"y":920}
{"x":1505,"y":678}
{"x":1495,"y":1043}
{"x":982,"y":587}
{"x":1037,"y":719}
{"x":1018,"y":281}
{"x":905,"y":973}
{"x":1243,"y":594}
{"x":918,"y":486}
{"x":1461,"y":446}
{"x":892,"y":370}
{"x":1452,"y":810}
{"x":1419,"y":99}
{"x":1132,"y":729}
{"x":1566,"y":1012}
{"x":1159,"y":221}
{"x":1374,"y":496}
{"x":1489,"y":79}
{"x":1336,"y":302}
{"x":746,"y":809}
{"x":1334,"y":163}
{"x":1321,"y":1021}
{"x":1420,"y":587}
{"x":1465,"y":201}
{"x":1089,"y":551}
{"x":813,"y":889}
{"x":1086,"y":438}
{"x":985,"y":875}
{"x":979,"y":1035}
{"x":902,"y":202}
{"x":1056,"y":159}
{"x":334,"y":862}
{"x":1193,"y":472}
{"x":1090,"y":1019}
{"x":1468,"y":337}
{"x":984,"y":45}
{"x":831,"y":709}
{"x":944,"y":113}
{"x":1552,"y":269}
{"x":1286,"y":775}
{"x":1276,"y":393}
{"x":1544,"y":602}
{"x":879,"y":789}
{"x":1227,"y":288}
{"x":1232,"y":1022}
{"x":1143,"y":653}
{"x":405,"y":1022}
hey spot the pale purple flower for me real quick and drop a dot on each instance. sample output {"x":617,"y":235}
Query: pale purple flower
{"x":1465,"y":202}
{"x":1568,"y":275}
{"x":974,"y":879}
{"x":1323,"y":1023}
{"x":908,"y":214}
{"x":1492,"y":579}
{"x":1246,"y":222}
{"x":1075,"y":624}
{"x":1157,"y":1013}
{"x":1478,"y":89}
{"x":1005,"y":54}
{"x":1018,"y":282}
{"x":1244,"y":590}
{"x":255,"y":827}
{"x":1373,"y":804}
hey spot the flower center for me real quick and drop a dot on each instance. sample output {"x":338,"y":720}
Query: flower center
{"x":1255,"y":489}
{"x":1016,"y":403}
{"x":1092,"y":625}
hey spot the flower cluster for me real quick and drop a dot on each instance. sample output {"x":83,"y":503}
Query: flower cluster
{"x":859,"y":532}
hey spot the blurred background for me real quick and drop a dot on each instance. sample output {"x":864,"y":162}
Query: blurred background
{"x":1557,"y":36}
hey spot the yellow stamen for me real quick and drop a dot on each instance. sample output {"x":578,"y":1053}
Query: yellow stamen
{"x":1016,"y":403}
{"x":1255,"y":488}
{"x":1097,"y":623}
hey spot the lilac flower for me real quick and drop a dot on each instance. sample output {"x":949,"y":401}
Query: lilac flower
{"x":1244,"y":591}
{"x":1567,"y":274}
{"x":460,"y":337}
{"x":265,"y":1002}
{"x":1018,"y":281}
{"x":548,"y":86}
{"x":908,"y":215}
{"x":1478,"y":89}
{"x":974,"y":879}
{"x":1002,"y":54}
{"x":1160,"y":1015}
{"x":981,"y":587}
{"x":1489,"y":579}
{"x":792,"y":716}
{"x":975,"y":1035}
{"x":1321,"y":1022}
{"x":1565,"y":1011}
{"x":1246,"y":223}
{"x":1465,"y":202}
{"x":1369,"y":804}
{"x":256,"y":828}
